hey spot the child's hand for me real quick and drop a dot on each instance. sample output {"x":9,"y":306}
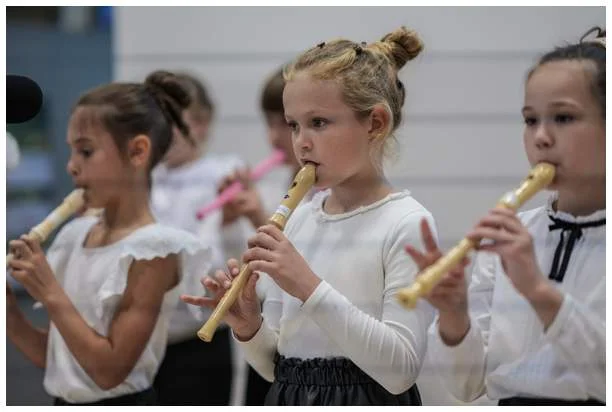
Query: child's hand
{"x":450,"y":294}
{"x":30,"y":268}
{"x":246,"y":203}
{"x":244,"y":317}
{"x":271,"y":252}
{"x":514,"y":244}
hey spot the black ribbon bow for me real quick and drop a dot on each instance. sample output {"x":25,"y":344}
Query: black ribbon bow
{"x":575,"y":233}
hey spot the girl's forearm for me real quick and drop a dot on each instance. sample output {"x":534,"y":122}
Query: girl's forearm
{"x":31,"y":341}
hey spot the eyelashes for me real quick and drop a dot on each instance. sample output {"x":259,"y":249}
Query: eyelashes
{"x":561,"y":119}
{"x":315,"y":123}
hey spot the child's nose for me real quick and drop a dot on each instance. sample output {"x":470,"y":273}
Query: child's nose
{"x":543,"y":136}
{"x":303,"y":141}
{"x":72,"y":168}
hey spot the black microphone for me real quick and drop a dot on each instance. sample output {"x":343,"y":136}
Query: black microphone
{"x":23,"y":99}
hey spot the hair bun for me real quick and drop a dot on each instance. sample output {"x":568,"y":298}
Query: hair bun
{"x":170,"y":85}
{"x":171,"y":96}
{"x":402,"y":45}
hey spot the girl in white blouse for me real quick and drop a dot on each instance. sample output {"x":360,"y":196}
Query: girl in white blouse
{"x":331,"y":331}
{"x":109,"y":282}
{"x":531,"y":328}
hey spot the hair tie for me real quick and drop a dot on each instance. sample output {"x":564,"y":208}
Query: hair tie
{"x":321,"y":45}
{"x":358,"y":49}
{"x":599,"y":39}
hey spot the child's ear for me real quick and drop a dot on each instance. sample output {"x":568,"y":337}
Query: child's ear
{"x":380,"y":123}
{"x":139,"y":150}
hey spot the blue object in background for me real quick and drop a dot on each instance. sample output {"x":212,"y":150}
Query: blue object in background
{"x":104,"y":17}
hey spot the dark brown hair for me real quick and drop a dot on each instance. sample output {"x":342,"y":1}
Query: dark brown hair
{"x":152,"y":108}
{"x":200,"y":98}
{"x":587,"y":50}
{"x":272,"y":93}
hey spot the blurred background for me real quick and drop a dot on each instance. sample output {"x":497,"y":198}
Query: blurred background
{"x":460,"y":144}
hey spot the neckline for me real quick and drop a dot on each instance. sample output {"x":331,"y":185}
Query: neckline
{"x":319,"y":199}
{"x":568,"y":217}
{"x":95,"y":220}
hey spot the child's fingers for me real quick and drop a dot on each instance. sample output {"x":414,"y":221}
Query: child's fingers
{"x":199,"y":301}
{"x":18,"y":264}
{"x":483,"y":232}
{"x":226,"y":182}
{"x":428,"y":239}
{"x":32,"y":243}
{"x":223,"y":279}
{"x":502,"y":221}
{"x":244,"y":177}
{"x":20,"y":275}
{"x":419,"y":258}
{"x":458,"y":272}
{"x":250,"y":291}
{"x":234,"y":267}
{"x":19,"y":249}
{"x":210,"y":284}
{"x":272,"y":231}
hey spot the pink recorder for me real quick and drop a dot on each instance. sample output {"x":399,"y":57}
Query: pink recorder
{"x":231,"y":191}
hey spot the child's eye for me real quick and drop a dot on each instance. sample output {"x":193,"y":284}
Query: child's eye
{"x":86,"y":152}
{"x":529,"y":121}
{"x":319,"y":122}
{"x":564,"y":118}
{"x":292,"y":125}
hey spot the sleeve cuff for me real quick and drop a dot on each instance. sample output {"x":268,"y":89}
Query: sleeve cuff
{"x":463,"y":349}
{"x":556,"y":327}
{"x":314,"y":301}
{"x":264,"y":338}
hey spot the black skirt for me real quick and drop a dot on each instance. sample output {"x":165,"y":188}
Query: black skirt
{"x":336,"y":381}
{"x":196,"y":373}
{"x":257,"y":388}
{"x":548,"y":401}
{"x":144,"y":398}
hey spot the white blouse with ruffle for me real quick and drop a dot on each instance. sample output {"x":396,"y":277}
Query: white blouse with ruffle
{"x":94,"y":279}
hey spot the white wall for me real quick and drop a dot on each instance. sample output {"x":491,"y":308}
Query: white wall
{"x":461,"y":144}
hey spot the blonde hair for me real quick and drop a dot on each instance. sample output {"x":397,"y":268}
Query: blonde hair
{"x":367,"y":75}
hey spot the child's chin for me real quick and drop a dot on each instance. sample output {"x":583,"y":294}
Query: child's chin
{"x":91,"y":203}
{"x":555,"y":185}
{"x":318,"y":186}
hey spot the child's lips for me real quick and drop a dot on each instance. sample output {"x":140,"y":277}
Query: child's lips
{"x":547,"y":161}
{"x":84,"y":188}
{"x":305,"y":162}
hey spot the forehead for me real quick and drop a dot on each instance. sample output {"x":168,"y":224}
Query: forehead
{"x":570,"y":79}
{"x":85,"y":122}
{"x":304,"y":93}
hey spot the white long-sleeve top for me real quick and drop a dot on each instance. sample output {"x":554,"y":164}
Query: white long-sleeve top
{"x":353,"y":313}
{"x":507,"y":352}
